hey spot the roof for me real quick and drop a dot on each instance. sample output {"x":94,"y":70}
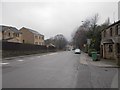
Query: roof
{"x":111,"y":25}
{"x":108,"y":41}
{"x":3,"y":28}
{"x":33,"y":31}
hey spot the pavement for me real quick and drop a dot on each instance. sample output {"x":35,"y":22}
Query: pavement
{"x":105,"y":63}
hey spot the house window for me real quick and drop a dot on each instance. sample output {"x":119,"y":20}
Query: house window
{"x":23,"y":41}
{"x":110,"y":48}
{"x":104,"y":33}
{"x":39,"y":37}
{"x":8,"y":34}
{"x":36,"y":42}
{"x":110,"y":31}
{"x":118,"y":47}
{"x":116,"y":30}
{"x":17,"y":35}
{"x":36,"y":37}
{"x":39,"y":43}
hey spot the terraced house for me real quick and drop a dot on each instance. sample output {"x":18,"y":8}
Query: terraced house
{"x":31,"y":37}
{"x":10,"y":34}
{"x":110,"y":43}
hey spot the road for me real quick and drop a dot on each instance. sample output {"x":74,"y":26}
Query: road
{"x":55,"y":70}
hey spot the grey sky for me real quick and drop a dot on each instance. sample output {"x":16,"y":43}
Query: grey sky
{"x":51,"y":18}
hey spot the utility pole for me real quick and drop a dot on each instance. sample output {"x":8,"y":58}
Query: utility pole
{"x":119,"y":10}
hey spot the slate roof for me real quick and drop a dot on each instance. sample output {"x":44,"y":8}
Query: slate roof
{"x":113,"y":24}
{"x":3,"y":28}
{"x":33,"y":31}
{"x":108,"y":41}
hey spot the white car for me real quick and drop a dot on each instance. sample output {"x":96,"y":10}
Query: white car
{"x":77,"y":51}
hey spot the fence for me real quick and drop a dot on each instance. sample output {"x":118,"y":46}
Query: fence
{"x":16,"y":49}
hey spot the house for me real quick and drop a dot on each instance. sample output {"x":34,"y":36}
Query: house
{"x":110,"y":42}
{"x":32,"y":37}
{"x":10,"y":34}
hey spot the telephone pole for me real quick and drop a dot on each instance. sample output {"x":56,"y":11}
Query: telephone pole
{"x":119,"y":10}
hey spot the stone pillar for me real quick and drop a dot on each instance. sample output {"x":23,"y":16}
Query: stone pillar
{"x":118,"y":59}
{"x":115,"y":51}
{"x":101,"y":51}
{"x":104,"y":51}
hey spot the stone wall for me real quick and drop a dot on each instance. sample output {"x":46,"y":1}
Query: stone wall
{"x":108,"y":39}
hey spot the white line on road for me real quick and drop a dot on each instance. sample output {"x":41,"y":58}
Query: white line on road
{"x":20,"y":60}
{"x":52,"y":54}
{"x":44,"y":55}
{"x":47,"y":55}
{"x":4,"y":63}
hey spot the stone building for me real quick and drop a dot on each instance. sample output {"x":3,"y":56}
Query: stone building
{"x":10,"y":34}
{"x":31,"y":37}
{"x":110,"y":43}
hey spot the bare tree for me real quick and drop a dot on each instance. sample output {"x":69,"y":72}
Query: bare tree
{"x":89,"y":30}
{"x":60,"y":41}
{"x":79,"y":37}
{"x":94,"y":19}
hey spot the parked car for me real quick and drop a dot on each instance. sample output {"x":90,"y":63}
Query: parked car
{"x":77,"y":51}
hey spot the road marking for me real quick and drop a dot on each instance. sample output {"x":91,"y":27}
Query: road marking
{"x":38,"y":56}
{"x":20,"y":60}
{"x":52,"y":54}
{"x":4,"y":63}
{"x":47,"y":54}
{"x":44,"y":55}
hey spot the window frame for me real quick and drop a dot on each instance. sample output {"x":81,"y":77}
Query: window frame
{"x":116,"y":30}
{"x":111,"y":31}
{"x":9,"y":34}
{"x":104,"y":33}
{"x":110,"y":48}
{"x":118,"y":47}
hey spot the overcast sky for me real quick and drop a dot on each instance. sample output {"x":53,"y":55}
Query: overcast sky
{"x":51,"y":18}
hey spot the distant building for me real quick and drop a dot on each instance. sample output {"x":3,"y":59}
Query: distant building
{"x":110,"y":43}
{"x":69,"y":47}
{"x":32,"y":37}
{"x":49,"y":42}
{"x":10,"y":34}
{"x":119,"y":10}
